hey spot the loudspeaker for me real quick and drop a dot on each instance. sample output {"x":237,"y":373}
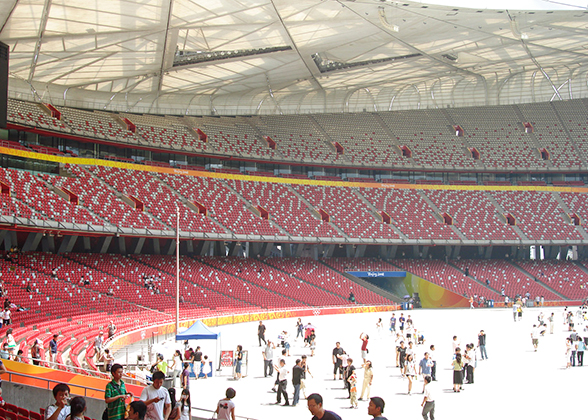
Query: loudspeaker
{"x":3,"y":84}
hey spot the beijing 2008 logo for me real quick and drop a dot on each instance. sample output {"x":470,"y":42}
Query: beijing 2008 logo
{"x":316,"y":312}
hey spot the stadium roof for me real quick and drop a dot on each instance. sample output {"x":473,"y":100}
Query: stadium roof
{"x":283,"y":56}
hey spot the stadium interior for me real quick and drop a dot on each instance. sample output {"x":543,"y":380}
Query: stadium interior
{"x":286,"y":149}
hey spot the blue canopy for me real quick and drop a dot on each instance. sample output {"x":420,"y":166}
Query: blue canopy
{"x":198,"y":331}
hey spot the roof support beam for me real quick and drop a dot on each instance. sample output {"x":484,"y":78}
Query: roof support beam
{"x":42,"y":26}
{"x":165,"y":46}
{"x":289,"y":36}
{"x":8,"y":16}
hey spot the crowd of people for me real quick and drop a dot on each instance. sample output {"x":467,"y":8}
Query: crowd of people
{"x":414,"y":357}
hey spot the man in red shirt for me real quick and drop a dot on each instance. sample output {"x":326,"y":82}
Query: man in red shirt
{"x":364,"y":351}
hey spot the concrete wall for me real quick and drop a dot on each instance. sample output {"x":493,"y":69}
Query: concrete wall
{"x":33,"y":399}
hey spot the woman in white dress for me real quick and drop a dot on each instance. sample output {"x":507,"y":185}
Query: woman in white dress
{"x":410,"y":371}
{"x":185,"y":405}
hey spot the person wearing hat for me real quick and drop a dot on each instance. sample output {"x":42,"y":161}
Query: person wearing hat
{"x":376,"y":408}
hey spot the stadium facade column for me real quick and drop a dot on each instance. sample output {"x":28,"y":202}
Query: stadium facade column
{"x":426,"y":251}
{"x":139,"y":245}
{"x":360,"y":251}
{"x":67,"y":243}
{"x":350,"y":250}
{"x":298,"y":249}
{"x":171,"y":247}
{"x":316,"y":252}
{"x":267,"y":249}
{"x":48,"y":243}
{"x":32,"y":242}
{"x":156,"y":247}
{"x":235,"y":249}
{"x":286,"y":250}
{"x":122,"y":245}
{"x":488,"y":253}
{"x":456,"y":251}
{"x":10,"y":240}
{"x":328,"y":250}
{"x":105,"y":244}
{"x":87,"y":244}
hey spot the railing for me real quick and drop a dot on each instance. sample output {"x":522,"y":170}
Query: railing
{"x":84,"y":391}
{"x":210,"y":414}
{"x":81,"y":370}
{"x":46,"y":383}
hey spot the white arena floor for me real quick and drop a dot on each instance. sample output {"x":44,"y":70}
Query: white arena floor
{"x":514,"y":382}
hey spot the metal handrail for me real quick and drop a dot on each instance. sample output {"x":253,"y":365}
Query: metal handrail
{"x":213,"y":411}
{"x":49,"y":382}
{"x":90,"y":372}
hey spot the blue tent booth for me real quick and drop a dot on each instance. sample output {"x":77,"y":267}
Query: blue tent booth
{"x":199,"y":331}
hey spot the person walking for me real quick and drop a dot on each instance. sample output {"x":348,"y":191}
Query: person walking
{"x":225,"y":408}
{"x":299,"y":329}
{"x":176,"y":366}
{"x":116,"y":394}
{"x":580,"y":348}
{"x":303,"y":379}
{"x":53,"y":348}
{"x":186,"y":376}
{"x":283,"y":382}
{"x":368,"y":376}
{"x":261,"y":333}
{"x":434,"y":360}
{"x":410,"y":371}
{"x":174,"y":413}
{"x":186,"y":405}
{"x":428,"y":403}
{"x":425,"y":366}
{"x":401,"y":356}
{"x":353,"y":388}
{"x":156,"y":398}
{"x":297,"y":373}
{"x":535,"y":336}
{"x":482,"y":344}
{"x":268,"y":357}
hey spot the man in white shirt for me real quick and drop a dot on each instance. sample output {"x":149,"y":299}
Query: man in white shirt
{"x":60,"y":409}
{"x":428,"y":403}
{"x":282,"y":382}
{"x":535,"y":336}
{"x":156,"y":399}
